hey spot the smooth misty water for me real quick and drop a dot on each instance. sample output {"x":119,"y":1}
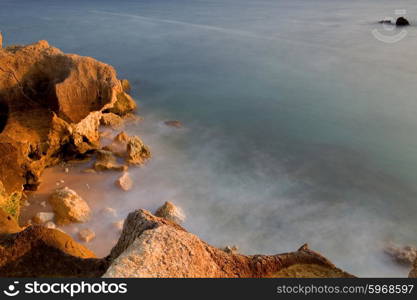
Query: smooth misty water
{"x":300,"y":125}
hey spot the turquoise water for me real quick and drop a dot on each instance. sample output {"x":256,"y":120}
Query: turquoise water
{"x":299,"y":124}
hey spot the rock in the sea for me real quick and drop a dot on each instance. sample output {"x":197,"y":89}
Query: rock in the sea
{"x":155,"y":247}
{"x":125,"y":182}
{"x":51,"y":105}
{"x":171,"y":212}
{"x":137,"y":151}
{"x":43,"y":217}
{"x":69,"y":207}
{"x":173,"y":123}
{"x":401,"y":21}
{"x":105,"y":160}
{"x":405,"y":255}
{"x":86,"y":235}
{"x":41,"y":252}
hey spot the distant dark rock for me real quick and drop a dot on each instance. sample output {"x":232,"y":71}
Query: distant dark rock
{"x":401,"y":21}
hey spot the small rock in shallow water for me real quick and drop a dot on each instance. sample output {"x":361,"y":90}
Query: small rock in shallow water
{"x":173,"y":123}
{"x":69,"y":206}
{"x":124,"y":182}
{"x":109,"y":211}
{"x":171,"y":212}
{"x":86,"y":235}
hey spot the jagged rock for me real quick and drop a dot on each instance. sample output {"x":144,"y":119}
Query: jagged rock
{"x":1,"y":40}
{"x":86,"y":235}
{"x":173,"y":123}
{"x":401,"y":21}
{"x":111,"y":120}
{"x":404,"y":255}
{"x":131,"y":148}
{"x":51,"y":105}
{"x":107,"y":161}
{"x":43,"y":217}
{"x":8,"y":224}
{"x":171,"y":212}
{"x":137,"y":151}
{"x":126,"y":85}
{"x":125,"y":182}
{"x":41,"y":252}
{"x":123,"y":105}
{"x":69,"y":206}
{"x":155,"y":247}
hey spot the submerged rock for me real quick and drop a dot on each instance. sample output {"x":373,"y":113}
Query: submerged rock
{"x":51,"y":105}
{"x":69,"y":207}
{"x":174,"y":123}
{"x":125,"y":182}
{"x":155,"y":247}
{"x":171,"y":212}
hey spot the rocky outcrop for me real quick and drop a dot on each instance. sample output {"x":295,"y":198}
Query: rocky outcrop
{"x":149,"y":246}
{"x":156,"y":247}
{"x":41,"y":252}
{"x":51,"y":105}
{"x":69,"y":206}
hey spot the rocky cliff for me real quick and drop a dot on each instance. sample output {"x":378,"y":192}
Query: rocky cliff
{"x":51,"y":105}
